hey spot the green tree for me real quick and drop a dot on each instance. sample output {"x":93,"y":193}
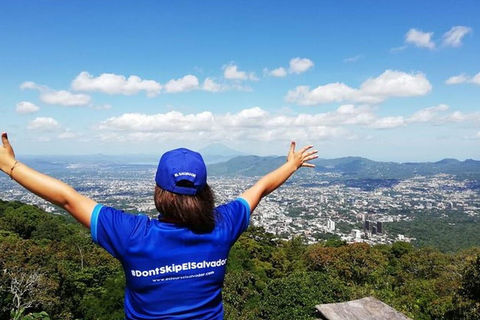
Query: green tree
{"x":295,"y":296}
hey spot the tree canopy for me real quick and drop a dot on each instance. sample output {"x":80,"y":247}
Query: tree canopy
{"x":51,"y":269}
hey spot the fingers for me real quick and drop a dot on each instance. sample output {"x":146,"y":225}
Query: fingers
{"x":5,"y":139}
{"x":303,"y":156}
{"x":292,"y":147}
{"x":6,"y":144}
{"x":309,"y":157}
{"x":304,"y":149}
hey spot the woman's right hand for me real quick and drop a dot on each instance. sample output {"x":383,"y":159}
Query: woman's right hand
{"x":7,"y":156}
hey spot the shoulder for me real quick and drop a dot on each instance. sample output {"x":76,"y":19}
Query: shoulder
{"x":234,"y":214}
{"x":109,"y":219}
{"x":237,"y":205}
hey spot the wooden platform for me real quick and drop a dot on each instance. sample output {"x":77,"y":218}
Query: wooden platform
{"x":363,"y":309}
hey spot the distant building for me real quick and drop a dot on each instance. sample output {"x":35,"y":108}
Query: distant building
{"x":380,"y":227}
{"x":356,"y":234}
{"x":371,"y":228}
{"x":367,"y":225}
{"x":330,"y":225}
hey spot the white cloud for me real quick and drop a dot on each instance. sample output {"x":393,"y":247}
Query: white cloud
{"x":354,"y":59}
{"x":476,"y":79}
{"x":254,"y":123}
{"x":456,"y":116}
{"x":42,"y":138}
{"x":30,"y":85}
{"x":258,"y":124}
{"x":67,"y":135}
{"x":453,"y":38}
{"x":187,"y":83}
{"x":398,"y":49}
{"x":253,"y":117}
{"x":173,"y":121}
{"x":459,"y":117}
{"x":25,"y":107}
{"x":231,"y":72}
{"x":461,"y":78}
{"x":115,"y":84}
{"x":65,"y":98}
{"x":43,"y":124}
{"x":101,"y":107}
{"x":248,"y":124}
{"x":278,"y":73}
{"x":329,"y":93}
{"x":61,"y":97}
{"x":420,"y":39}
{"x":344,"y":115}
{"x":391,"y":83}
{"x":436,"y":116}
{"x":388,"y":123}
{"x":211,"y":86}
{"x":428,"y":114}
{"x":296,"y":66}
{"x":300,"y":65}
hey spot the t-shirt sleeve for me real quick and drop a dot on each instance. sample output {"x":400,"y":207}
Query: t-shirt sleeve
{"x":111,"y":228}
{"x":236,"y":215}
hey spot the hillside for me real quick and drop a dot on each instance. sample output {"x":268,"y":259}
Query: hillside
{"x":69,"y":277}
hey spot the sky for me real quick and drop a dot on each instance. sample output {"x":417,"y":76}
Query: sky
{"x":386,"y":80}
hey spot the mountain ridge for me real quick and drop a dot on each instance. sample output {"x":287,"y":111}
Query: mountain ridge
{"x":251,"y":165}
{"x":351,"y":167}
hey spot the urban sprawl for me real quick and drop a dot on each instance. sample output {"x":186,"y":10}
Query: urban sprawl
{"x":311,"y":205}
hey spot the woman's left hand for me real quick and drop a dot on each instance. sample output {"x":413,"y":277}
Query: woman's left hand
{"x":301,"y":158}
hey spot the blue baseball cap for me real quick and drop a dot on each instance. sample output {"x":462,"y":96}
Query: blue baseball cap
{"x":181,"y":165}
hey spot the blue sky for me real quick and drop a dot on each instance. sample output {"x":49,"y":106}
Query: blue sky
{"x":385,"y":80}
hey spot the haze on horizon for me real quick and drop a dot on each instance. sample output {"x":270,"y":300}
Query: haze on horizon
{"x":388,"y":82}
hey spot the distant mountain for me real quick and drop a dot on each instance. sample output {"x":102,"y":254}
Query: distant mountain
{"x":347,"y":168}
{"x":217,"y":152}
{"x":351,"y":167}
{"x":246,"y":165}
{"x":93,"y":159}
{"x":218,"y":148}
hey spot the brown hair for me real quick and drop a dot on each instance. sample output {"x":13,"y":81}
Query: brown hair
{"x":196,"y":212}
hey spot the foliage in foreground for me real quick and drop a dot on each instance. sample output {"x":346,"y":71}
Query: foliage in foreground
{"x":52,"y":270}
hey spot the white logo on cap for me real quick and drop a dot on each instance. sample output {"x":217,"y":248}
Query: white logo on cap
{"x":185,"y":174}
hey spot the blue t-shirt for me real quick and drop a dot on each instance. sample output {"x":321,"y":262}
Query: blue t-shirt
{"x":171,"y":272}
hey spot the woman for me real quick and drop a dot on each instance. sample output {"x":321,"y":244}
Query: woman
{"x":174,"y":265}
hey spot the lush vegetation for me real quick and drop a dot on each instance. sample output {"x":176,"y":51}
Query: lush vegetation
{"x":50,"y":269}
{"x":447,"y":230}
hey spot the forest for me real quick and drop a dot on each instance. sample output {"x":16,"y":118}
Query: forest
{"x":51,"y":269}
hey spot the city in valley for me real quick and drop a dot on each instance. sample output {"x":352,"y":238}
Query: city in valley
{"x":312,"y":204}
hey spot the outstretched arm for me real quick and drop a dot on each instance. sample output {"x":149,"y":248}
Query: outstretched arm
{"x":276,"y":178}
{"x":50,"y":189}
